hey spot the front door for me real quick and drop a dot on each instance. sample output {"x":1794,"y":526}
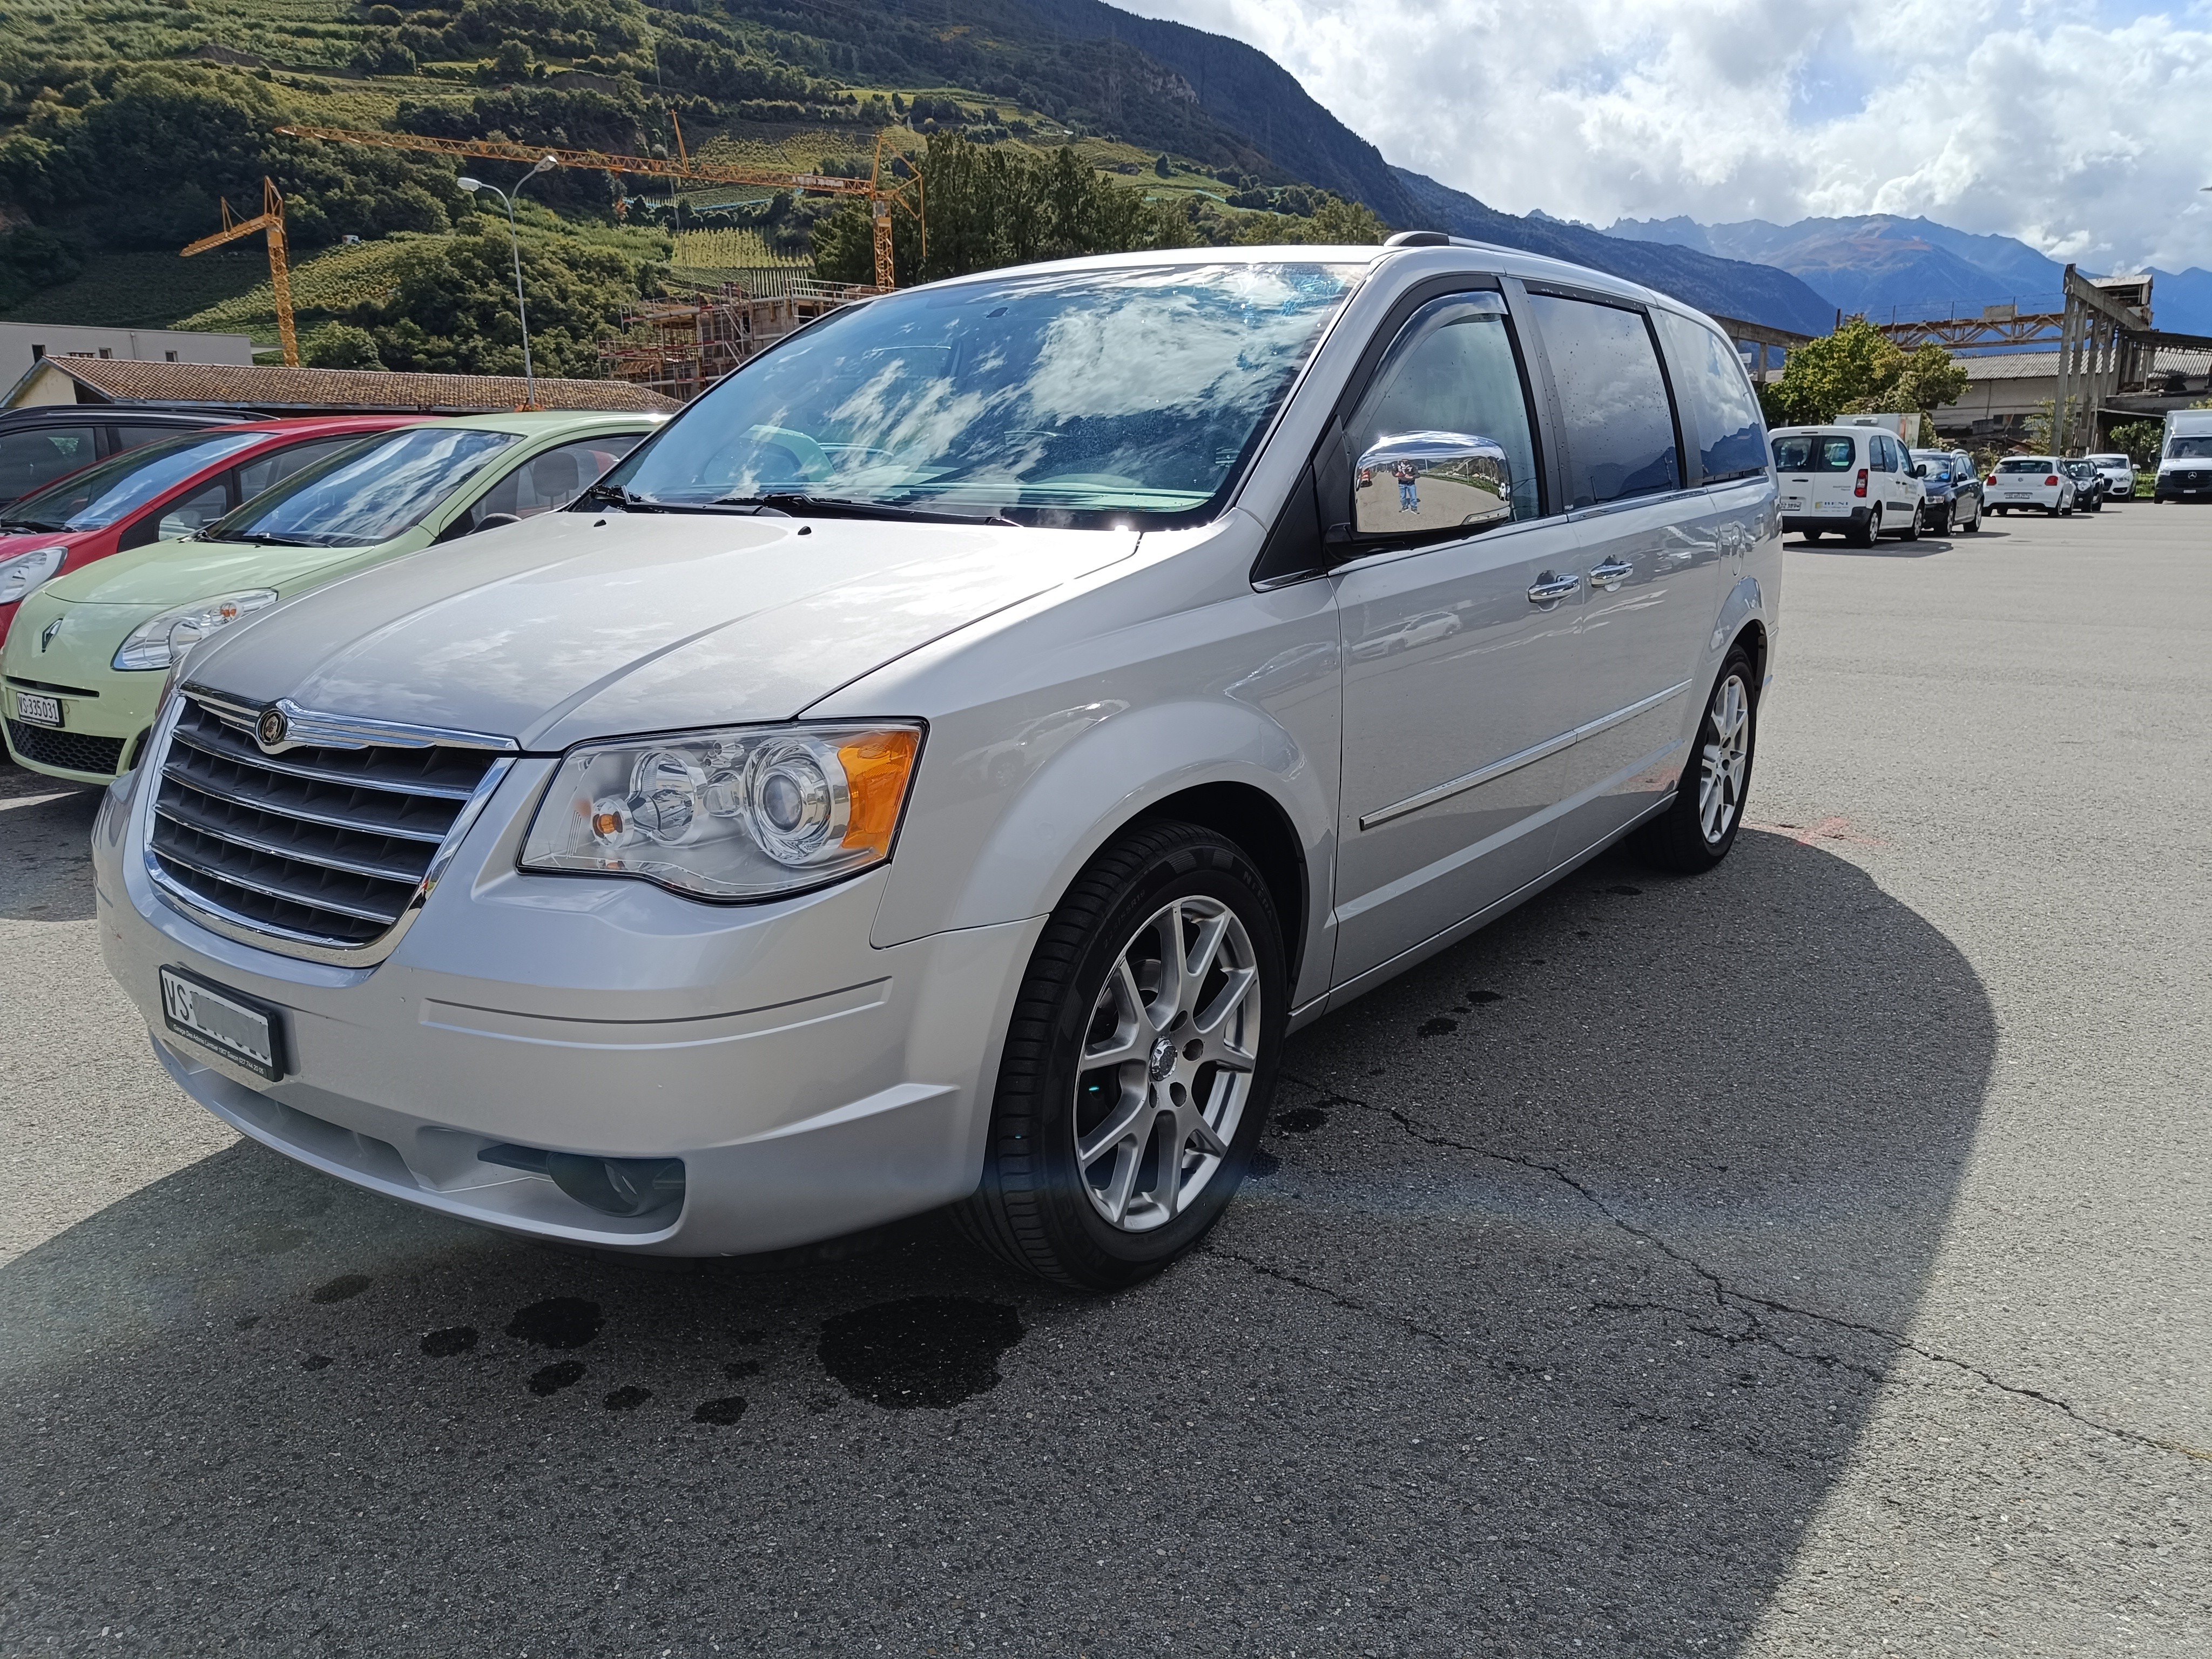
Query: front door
{"x":1458,"y":647}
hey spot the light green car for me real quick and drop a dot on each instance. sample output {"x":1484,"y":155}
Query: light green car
{"x":88,"y":652}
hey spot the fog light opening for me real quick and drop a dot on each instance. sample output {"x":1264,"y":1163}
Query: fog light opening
{"x":612,"y":1186}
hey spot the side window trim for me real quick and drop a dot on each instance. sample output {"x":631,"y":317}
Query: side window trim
{"x":1618,"y":302}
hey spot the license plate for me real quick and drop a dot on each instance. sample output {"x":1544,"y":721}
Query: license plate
{"x":245,"y":1033}
{"x":1793,"y":503}
{"x":38,"y":710}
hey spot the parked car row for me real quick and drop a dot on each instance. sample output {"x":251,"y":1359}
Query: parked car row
{"x":1860,"y":481}
{"x":110,"y":574}
{"x":940,"y":765}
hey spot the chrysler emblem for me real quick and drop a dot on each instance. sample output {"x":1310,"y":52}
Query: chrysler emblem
{"x":270,"y":729}
{"x":47,"y":634}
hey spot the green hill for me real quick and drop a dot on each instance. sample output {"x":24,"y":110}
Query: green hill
{"x":123,"y":126}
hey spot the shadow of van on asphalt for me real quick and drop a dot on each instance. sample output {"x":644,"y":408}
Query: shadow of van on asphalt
{"x":1540,"y":1324}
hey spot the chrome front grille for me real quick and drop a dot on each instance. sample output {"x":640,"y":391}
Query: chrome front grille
{"x":326,"y":845}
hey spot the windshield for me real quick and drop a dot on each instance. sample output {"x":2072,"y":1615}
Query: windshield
{"x":2028,"y":464}
{"x":367,"y":493}
{"x":1815,"y":453}
{"x":1047,"y":399}
{"x":1938,"y":461}
{"x":2190,"y":449}
{"x":99,"y":495}
{"x":2108,"y":460}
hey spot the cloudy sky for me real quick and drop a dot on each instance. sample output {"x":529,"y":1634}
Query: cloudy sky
{"x":2084,"y":128}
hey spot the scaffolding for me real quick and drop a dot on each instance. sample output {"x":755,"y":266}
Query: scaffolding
{"x":679,"y":347}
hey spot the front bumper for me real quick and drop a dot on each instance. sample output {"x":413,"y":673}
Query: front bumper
{"x":2194,"y":486}
{"x":105,"y":712}
{"x":811,"y":1084}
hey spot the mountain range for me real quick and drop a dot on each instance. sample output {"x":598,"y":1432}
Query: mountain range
{"x":1170,"y":87}
{"x":1884,"y":266}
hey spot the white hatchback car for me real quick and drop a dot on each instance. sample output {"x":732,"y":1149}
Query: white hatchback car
{"x":2029,"y":483}
{"x":942,"y":764}
{"x":1853,"y":481}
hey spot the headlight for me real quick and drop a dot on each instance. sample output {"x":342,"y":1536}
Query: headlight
{"x":744,"y":812}
{"x":22,"y":572}
{"x":159,"y":641}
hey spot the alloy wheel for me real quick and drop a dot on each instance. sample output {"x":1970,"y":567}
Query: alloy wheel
{"x":1167,"y":1063}
{"x":1725,"y":766}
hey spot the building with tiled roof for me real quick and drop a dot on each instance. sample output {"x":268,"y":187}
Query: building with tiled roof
{"x":274,"y":390}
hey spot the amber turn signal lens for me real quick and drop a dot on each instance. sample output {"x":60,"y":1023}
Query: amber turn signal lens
{"x":876,"y":771}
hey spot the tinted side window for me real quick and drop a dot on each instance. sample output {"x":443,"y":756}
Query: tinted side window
{"x":32,"y":460}
{"x":1621,"y":425}
{"x":550,"y":481}
{"x":267,"y":471}
{"x":1717,"y":403}
{"x":130,"y":434}
{"x":1452,"y":369}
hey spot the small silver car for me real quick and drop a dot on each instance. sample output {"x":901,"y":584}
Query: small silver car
{"x":942,"y":764}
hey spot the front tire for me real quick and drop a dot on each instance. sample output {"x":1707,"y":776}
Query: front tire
{"x":1695,"y":833}
{"x":1911,"y":531}
{"x":1139,"y":1063}
{"x":1973,"y":524}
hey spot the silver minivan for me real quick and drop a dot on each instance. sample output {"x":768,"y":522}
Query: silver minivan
{"x":944,"y":763}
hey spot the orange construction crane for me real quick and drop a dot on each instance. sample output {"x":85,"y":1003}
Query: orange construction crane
{"x":884,"y":193}
{"x":270,"y":219}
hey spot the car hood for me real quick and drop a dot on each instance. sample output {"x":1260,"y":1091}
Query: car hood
{"x":569,"y":627}
{"x":165,"y":573}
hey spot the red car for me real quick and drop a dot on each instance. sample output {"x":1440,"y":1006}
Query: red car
{"x":159,"y":490}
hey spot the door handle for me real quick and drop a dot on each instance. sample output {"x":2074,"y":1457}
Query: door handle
{"x":1548,"y":589}
{"x":1610,"y":574}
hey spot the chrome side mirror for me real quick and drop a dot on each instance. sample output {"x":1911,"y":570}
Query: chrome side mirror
{"x":1430,"y":481}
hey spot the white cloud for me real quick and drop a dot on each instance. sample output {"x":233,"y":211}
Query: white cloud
{"x":2081,"y":130}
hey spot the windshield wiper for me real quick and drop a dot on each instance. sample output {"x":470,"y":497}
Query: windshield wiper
{"x":266,"y":538}
{"x":834,"y":506}
{"x":26,"y":528}
{"x":609,"y":494}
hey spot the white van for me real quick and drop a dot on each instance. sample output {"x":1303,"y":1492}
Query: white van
{"x":2185,"y":457}
{"x":1856,"y":480}
{"x":2032,"y":483}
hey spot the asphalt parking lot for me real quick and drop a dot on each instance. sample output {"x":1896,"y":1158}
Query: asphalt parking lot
{"x":1813,"y":1258}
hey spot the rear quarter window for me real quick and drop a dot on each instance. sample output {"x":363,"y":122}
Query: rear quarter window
{"x":1720,"y":415}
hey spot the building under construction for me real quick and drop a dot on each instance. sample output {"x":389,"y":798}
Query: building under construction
{"x":679,"y":347}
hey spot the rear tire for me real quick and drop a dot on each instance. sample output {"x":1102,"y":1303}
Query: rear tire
{"x":1695,"y":833}
{"x":1075,"y":1134}
{"x":1864,"y":535}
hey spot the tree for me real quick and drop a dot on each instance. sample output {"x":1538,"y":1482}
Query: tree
{"x":2139,"y":440}
{"x":1333,"y":221}
{"x":453,"y":308}
{"x":340,"y":345}
{"x":1858,"y":369}
{"x":990,"y":207}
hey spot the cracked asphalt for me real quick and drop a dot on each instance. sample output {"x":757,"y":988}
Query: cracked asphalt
{"x":1809,"y":1259}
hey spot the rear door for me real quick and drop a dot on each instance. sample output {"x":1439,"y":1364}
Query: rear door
{"x":1649,"y":551}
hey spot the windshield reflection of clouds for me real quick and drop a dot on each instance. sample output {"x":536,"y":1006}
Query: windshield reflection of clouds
{"x":1092,"y":392}
{"x":377,"y":495}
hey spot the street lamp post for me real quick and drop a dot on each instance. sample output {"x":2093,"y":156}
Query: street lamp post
{"x":546,"y":164}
